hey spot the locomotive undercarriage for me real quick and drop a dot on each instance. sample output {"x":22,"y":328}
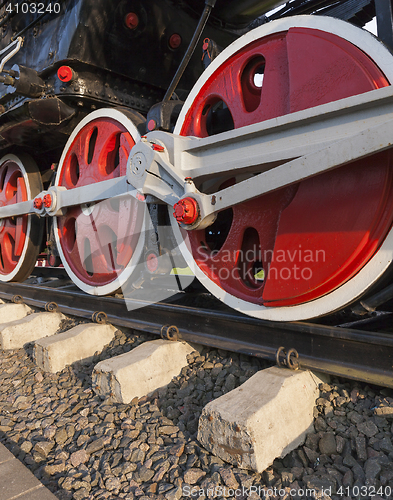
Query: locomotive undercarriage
{"x":275,"y":185}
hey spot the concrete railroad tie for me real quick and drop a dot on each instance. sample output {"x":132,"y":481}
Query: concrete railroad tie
{"x":141,"y":371}
{"x":265,"y":418}
{"x":14,"y":334}
{"x":53,"y":354}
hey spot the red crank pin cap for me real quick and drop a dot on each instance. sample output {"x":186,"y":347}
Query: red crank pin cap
{"x":47,"y":200}
{"x":131,"y":20}
{"x":38,"y":203}
{"x":186,"y":211}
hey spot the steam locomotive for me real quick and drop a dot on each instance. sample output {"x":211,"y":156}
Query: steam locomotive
{"x":246,"y":136}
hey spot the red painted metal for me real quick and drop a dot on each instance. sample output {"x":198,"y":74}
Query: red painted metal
{"x":38,"y":203}
{"x":157,"y":147}
{"x":131,"y":20}
{"x":312,"y":237}
{"x":48,"y":201}
{"x":98,"y":241}
{"x":52,"y":260}
{"x":65,"y":74}
{"x":151,"y":125}
{"x":174,"y":41}
{"x":14,"y":229}
{"x":152,"y":262}
{"x":186,"y":211}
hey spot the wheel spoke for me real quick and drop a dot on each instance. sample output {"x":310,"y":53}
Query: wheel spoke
{"x":78,"y":154}
{"x":3,"y":200}
{"x":7,"y":248}
{"x":127,"y":225}
{"x":10,"y":228}
{"x":102,"y":244}
{"x":126,"y":144}
{"x":10,"y":171}
{"x":104,"y":146}
{"x":20,"y":222}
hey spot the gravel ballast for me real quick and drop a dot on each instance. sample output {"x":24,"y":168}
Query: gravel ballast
{"x":83,"y":447}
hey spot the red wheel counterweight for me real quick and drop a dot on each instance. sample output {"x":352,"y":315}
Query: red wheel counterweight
{"x":301,"y":243}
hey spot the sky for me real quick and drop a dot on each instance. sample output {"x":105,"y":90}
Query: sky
{"x":372,"y":26}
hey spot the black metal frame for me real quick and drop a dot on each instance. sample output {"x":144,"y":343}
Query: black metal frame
{"x":384,"y":13}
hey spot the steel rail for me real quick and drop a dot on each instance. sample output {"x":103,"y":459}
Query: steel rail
{"x":347,"y":352}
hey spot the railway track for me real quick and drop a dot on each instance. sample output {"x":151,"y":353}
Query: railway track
{"x":361,"y":349}
{"x":253,"y":184}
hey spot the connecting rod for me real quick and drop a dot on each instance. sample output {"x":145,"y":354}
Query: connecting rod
{"x":271,"y":154}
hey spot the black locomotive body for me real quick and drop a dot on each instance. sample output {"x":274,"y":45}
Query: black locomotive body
{"x":118,"y":53}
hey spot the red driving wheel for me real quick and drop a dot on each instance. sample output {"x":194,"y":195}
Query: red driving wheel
{"x":20,"y":237}
{"x":100,"y":243}
{"x":298,"y":244}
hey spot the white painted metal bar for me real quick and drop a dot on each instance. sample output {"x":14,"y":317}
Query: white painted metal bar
{"x":93,"y":193}
{"x":364,"y":144}
{"x":275,"y":141}
{"x":17,"y":209}
{"x":66,"y":198}
{"x":18,"y":44}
